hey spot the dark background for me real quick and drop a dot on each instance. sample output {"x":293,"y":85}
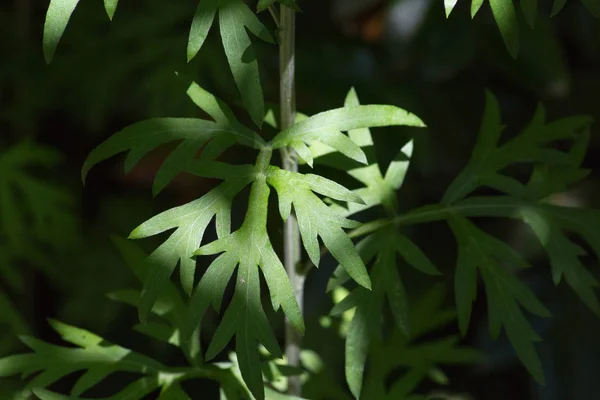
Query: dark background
{"x":106,"y":75}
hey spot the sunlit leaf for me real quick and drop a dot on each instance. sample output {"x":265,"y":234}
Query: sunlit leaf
{"x":249,"y":247}
{"x":111,"y":7}
{"x":506,"y":18}
{"x":57,"y":17}
{"x":234,"y":18}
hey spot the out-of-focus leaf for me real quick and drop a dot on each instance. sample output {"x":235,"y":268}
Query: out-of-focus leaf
{"x":529,"y":8}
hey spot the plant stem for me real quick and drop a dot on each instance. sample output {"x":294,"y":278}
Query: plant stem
{"x":291,"y":238}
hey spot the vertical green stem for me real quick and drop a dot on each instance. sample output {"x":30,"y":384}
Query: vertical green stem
{"x":291,"y":247}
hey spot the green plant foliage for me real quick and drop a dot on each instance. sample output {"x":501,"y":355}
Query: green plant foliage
{"x":34,"y":213}
{"x":382,"y":247}
{"x":234,"y":18}
{"x":505,"y":15}
{"x":249,"y":246}
{"x":553,"y":170}
{"x":99,"y":359}
{"x":394,"y":349}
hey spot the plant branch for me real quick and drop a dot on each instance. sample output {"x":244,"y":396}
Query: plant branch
{"x":291,"y":239}
{"x":492,"y":207}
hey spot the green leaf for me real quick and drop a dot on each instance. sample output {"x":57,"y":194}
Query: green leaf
{"x":93,"y":354}
{"x":548,"y":225}
{"x":386,"y":281}
{"x":191,"y":221}
{"x":449,"y":6}
{"x":249,"y":247}
{"x":325,"y":127}
{"x":57,"y":17}
{"x":234,"y":18}
{"x":475,"y":6}
{"x":396,"y":352}
{"x":316,"y":219}
{"x":534,"y":144}
{"x":208,"y":138}
{"x":529,"y":8}
{"x":479,"y":251}
{"x":506,"y":18}
{"x":111,"y":7}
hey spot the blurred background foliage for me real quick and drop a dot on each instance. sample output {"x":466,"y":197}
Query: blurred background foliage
{"x":56,"y":259}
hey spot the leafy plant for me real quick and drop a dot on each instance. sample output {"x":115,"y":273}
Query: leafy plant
{"x":552,"y":153}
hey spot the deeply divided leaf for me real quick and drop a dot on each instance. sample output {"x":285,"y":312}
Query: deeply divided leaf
{"x":235,"y":18}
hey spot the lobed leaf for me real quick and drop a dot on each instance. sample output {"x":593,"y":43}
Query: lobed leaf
{"x":201,"y":140}
{"x":532,"y":145}
{"x":325,"y":127}
{"x":191,"y":221}
{"x":479,"y":251}
{"x":250,"y":248}
{"x":315,"y":219}
{"x":234,"y":18}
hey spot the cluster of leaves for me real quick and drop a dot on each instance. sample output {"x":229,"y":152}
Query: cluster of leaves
{"x":235,"y":20}
{"x":394,"y":349}
{"x":553,"y":171}
{"x":248,"y":249}
{"x":249,"y":246}
{"x":506,"y":18}
{"x":100,"y":358}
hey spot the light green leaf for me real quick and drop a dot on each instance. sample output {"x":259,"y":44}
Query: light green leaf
{"x":249,"y":247}
{"x":203,"y":20}
{"x":326,"y":126}
{"x":529,"y":8}
{"x":449,"y":6}
{"x":316,"y":219}
{"x":506,"y":18}
{"x":191,"y":221}
{"x":234,"y":18}
{"x":111,"y":7}
{"x":94,"y":354}
{"x":57,"y":18}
